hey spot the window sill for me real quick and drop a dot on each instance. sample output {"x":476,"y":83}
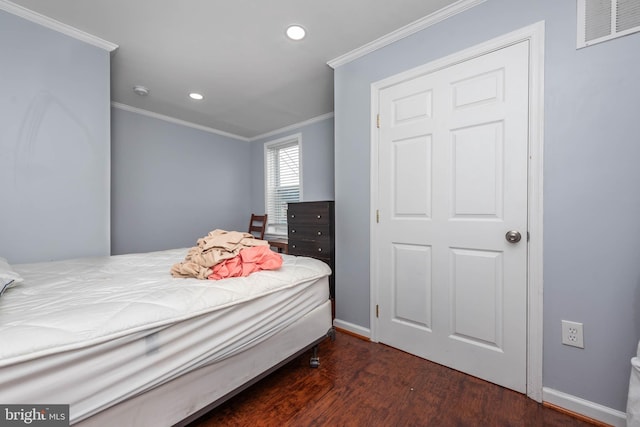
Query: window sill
{"x":275,"y":236}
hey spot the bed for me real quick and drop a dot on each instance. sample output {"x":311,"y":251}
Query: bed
{"x":123,"y":343}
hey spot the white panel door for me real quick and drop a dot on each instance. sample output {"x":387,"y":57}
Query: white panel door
{"x":452,"y":171}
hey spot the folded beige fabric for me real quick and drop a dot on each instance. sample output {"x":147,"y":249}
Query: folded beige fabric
{"x":215,"y":247}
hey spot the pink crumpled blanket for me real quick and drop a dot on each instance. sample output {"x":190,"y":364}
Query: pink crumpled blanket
{"x":248,"y":260}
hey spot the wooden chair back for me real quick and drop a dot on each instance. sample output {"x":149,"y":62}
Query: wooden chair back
{"x":257,"y":225}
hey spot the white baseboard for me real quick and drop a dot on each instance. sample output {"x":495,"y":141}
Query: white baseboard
{"x":358,"y":330}
{"x":584,"y":407}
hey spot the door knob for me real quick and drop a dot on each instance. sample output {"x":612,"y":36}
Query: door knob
{"x":513,"y":236}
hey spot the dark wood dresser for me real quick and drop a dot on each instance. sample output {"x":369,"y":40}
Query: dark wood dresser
{"x":311,"y":233}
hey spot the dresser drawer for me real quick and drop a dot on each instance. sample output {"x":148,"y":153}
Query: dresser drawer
{"x":302,"y":214}
{"x":317,"y":249}
{"x":310,"y":232}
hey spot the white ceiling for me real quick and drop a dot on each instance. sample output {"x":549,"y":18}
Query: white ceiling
{"x":234,"y":52}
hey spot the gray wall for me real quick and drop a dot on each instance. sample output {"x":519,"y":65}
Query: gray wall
{"x":317,"y":163}
{"x":54,"y":144}
{"x":172,"y":184}
{"x":591,"y":196}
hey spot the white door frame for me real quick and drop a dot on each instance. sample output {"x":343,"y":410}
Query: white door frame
{"x":534,"y":34}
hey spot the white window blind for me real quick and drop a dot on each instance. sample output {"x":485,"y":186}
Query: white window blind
{"x":602,"y":20}
{"x":282,"y":178}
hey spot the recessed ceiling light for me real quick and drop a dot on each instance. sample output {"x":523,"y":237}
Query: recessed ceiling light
{"x":296,"y":32}
{"x":195,"y":95}
{"x":141,"y":90}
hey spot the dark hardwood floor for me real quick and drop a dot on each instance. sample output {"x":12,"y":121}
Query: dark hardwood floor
{"x":360,"y":383}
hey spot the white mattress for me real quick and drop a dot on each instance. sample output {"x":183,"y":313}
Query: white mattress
{"x":94,"y":332}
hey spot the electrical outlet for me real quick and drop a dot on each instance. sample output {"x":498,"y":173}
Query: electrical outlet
{"x":572,"y":334}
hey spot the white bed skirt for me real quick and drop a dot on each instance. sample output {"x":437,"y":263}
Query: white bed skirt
{"x":174,"y":401}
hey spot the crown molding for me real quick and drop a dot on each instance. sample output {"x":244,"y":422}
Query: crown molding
{"x":173,"y":120}
{"x":403,"y":32}
{"x":294,"y":126}
{"x":58,"y":26}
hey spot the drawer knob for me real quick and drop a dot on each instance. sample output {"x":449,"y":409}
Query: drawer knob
{"x":293,"y":246}
{"x":293,"y":231}
{"x":319,"y":216}
{"x":293,"y":216}
{"x":319,"y":249}
{"x":319,"y":233}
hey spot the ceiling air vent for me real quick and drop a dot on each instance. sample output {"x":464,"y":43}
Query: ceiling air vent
{"x":602,"y":20}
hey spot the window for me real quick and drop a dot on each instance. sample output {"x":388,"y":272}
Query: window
{"x":283,"y":180}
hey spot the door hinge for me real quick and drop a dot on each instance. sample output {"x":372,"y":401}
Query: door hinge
{"x":377,"y":311}
{"x":528,"y":236}
{"x":378,"y":121}
{"x":377,"y":216}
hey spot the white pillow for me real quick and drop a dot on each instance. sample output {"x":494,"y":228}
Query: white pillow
{"x":8,"y":277}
